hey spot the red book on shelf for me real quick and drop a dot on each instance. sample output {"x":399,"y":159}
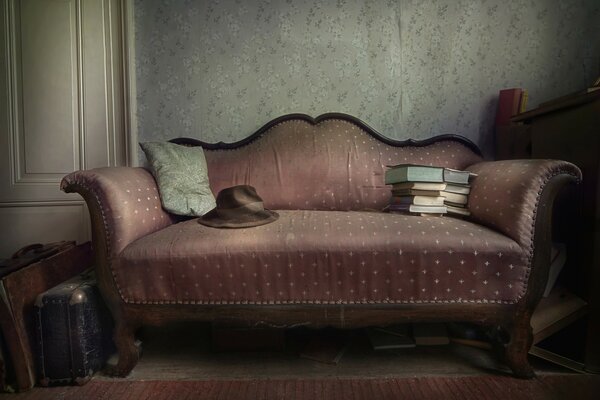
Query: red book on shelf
{"x":509,"y":101}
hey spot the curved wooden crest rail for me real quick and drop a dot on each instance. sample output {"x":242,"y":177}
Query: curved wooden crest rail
{"x":323,"y":117}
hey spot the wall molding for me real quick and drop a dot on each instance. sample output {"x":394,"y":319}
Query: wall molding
{"x":12,"y":204}
{"x":15,"y":98}
{"x":10,"y":46}
{"x":80,"y":84}
{"x":63,"y":94}
{"x":129,"y":79}
{"x":76,"y":60}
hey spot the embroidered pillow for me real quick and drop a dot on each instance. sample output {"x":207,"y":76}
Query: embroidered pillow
{"x":182,"y":177}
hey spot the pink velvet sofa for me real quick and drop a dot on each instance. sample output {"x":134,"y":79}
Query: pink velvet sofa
{"x":332,"y":258}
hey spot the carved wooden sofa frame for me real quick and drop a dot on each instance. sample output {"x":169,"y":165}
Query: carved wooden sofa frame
{"x":513,"y":319}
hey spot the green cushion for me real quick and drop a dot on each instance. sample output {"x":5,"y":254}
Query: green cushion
{"x":182,"y":177}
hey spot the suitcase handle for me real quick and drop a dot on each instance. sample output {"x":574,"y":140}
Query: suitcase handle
{"x":37,"y":248}
{"x":27,"y":249}
{"x":30,"y":254}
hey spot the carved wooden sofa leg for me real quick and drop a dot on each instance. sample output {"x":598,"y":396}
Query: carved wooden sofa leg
{"x":128,"y":350}
{"x":517,"y":348}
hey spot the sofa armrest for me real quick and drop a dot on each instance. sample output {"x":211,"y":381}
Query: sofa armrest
{"x":506,"y":194}
{"x":124,"y":205}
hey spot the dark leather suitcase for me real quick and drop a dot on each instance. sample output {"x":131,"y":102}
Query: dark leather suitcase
{"x":73,"y":330}
{"x":31,"y":271}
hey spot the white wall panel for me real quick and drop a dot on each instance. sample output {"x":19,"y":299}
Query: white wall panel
{"x":35,"y":223}
{"x":61,"y":109}
{"x":49,"y":136}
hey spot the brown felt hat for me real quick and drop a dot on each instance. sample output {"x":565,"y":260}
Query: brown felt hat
{"x":238,"y":207}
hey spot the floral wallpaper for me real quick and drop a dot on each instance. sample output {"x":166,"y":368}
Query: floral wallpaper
{"x":218,"y":70}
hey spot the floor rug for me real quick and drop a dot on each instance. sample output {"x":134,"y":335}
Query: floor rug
{"x":568,"y":386}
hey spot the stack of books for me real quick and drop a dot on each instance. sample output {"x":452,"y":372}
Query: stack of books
{"x":423,"y":189}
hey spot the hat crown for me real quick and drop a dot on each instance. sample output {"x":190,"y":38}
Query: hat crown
{"x":238,"y":207}
{"x":237,"y":196}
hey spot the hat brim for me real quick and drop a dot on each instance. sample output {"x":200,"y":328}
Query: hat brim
{"x":214,"y":220}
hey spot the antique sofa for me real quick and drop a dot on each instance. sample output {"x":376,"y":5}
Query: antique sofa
{"x":332,"y":258}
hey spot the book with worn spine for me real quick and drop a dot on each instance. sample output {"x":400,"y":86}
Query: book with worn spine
{"x":425,"y":189}
{"x":416,"y":192}
{"x":509,"y":102}
{"x":425,"y":173}
{"x":417,"y":209}
{"x":430,"y":334}
{"x":459,"y":189}
{"x":414,"y":173}
{"x":455,"y":198}
{"x":419,"y":186}
{"x":462,"y":211}
{"x":395,"y":337}
{"x":418,"y":200}
{"x":456,"y":176}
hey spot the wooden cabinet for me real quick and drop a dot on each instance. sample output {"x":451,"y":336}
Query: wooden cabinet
{"x":569,"y":129}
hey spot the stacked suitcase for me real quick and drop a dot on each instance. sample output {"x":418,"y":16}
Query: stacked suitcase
{"x":29,"y":272}
{"x":73,"y":329}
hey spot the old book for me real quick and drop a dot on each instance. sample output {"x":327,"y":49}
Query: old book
{"x":558,"y":256}
{"x":566,"y":347}
{"x":480,"y":344}
{"x":459,"y":189}
{"x":419,"y":186}
{"x":418,"y":200}
{"x":557,"y":359}
{"x":456,"y":176}
{"x":523,"y":102}
{"x":555,"y":312}
{"x":509,"y":101}
{"x":417,"y":209}
{"x":326,"y":347}
{"x":413,"y":173}
{"x":398,"y":330}
{"x":452,"y":204}
{"x":417,"y":192}
{"x":398,"y":337}
{"x":456,"y":198}
{"x":458,"y":210}
{"x":430,"y":334}
{"x":425,"y":173}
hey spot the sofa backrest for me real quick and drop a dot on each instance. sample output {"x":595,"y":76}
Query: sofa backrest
{"x":335,"y":162}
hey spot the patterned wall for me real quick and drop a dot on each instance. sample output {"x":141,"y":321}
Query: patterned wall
{"x":218,"y":70}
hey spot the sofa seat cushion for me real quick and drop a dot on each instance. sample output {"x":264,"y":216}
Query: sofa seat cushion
{"x":324,"y":257}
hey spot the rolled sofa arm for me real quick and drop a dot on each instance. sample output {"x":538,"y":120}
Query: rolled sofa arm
{"x":506,"y":194}
{"x":124,"y":205}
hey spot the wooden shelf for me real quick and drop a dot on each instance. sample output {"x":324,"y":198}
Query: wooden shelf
{"x":571,"y":100}
{"x":568,"y":128}
{"x":558,"y":310}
